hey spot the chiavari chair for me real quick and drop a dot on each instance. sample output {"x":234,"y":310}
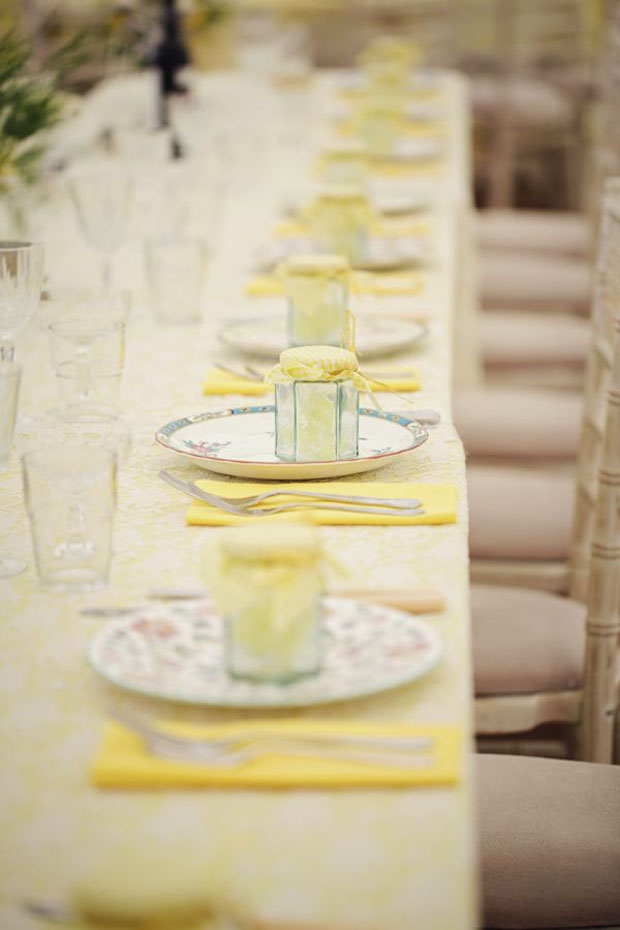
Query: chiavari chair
{"x":540,"y":658}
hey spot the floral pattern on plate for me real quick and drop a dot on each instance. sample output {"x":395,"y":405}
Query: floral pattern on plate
{"x":240,"y":441}
{"x":176,"y":652}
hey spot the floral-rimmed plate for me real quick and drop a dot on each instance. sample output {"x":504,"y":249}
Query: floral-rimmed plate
{"x":176,"y":653}
{"x":375,"y":336}
{"x":240,"y":441}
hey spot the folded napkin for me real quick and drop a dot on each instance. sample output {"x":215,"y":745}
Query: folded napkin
{"x":394,"y":169}
{"x":421,"y":92}
{"x":418,"y":129}
{"x":387,"y":228}
{"x":124,"y":762}
{"x":376,"y":284}
{"x":394,"y":378}
{"x":439,"y":501}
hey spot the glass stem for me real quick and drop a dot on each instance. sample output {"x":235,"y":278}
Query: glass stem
{"x":7,"y":350}
{"x":106,"y":273}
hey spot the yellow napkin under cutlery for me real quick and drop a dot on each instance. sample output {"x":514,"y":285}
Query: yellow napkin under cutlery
{"x":394,"y":228}
{"x":123,"y":761}
{"x":378,"y":284}
{"x":393,"y":378}
{"x":438,"y":501}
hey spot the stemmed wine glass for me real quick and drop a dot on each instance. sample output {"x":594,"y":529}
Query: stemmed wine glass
{"x":21,"y":279}
{"x":101,"y":199}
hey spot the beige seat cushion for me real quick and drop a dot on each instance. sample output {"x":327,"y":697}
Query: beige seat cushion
{"x":519,"y":514}
{"x":549,"y":842}
{"x":518,"y":423}
{"x":533,"y":104}
{"x":534,"y":338}
{"x":526,"y":641}
{"x":533,"y":231}
{"x":522,"y":281}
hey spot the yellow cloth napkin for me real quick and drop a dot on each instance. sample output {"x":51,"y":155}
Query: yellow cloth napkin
{"x":386,"y":228}
{"x":394,"y":169}
{"x":384,"y":284}
{"x":123,"y":761}
{"x":439,"y":501}
{"x":422,"y":129}
{"x":354,"y":95}
{"x":397,"y":378}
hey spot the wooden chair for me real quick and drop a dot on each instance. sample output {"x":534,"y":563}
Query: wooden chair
{"x":520,"y":525}
{"x":534,"y":659}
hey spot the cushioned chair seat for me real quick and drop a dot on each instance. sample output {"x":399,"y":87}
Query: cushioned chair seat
{"x":549,"y":834}
{"x":518,"y":423}
{"x":528,"y":339}
{"x":533,"y":231}
{"x":533,"y":104}
{"x":519,"y":514}
{"x":522,"y":280}
{"x":526,"y":641}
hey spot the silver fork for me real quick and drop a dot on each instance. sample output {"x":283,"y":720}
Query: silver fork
{"x":243,"y":505}
{"x":230,"y":751}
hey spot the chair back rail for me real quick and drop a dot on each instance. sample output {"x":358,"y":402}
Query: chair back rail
{"x":605,"y":305}
{"x":603,"y":621}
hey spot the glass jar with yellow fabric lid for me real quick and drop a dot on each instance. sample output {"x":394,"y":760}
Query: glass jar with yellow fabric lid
{"x":345,"y":162}
{"x":380,"y":123}
{"x":317,"y":293}
{"x":317,"y":404}
{"x":390,"y":48}
{"x":340,"y":219}
{"x":267,"y":582}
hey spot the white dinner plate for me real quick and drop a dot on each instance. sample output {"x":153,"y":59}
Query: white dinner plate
{"x":240,"y":441}
{"x":415,"y":149}
{"x":374,"y":336}
{"x":385,"y":253}
{"x":176,"y":652}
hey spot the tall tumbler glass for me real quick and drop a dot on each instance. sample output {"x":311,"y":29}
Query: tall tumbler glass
{"x":70,"y":498}
{"x":176,"y":271}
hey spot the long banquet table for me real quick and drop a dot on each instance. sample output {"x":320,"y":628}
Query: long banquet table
{"x":397,"y":859}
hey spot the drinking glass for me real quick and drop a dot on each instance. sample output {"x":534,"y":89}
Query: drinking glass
{"x":65,"y":302}
{"x":10,"y":376}
{"x":101,"y":198}
{"x":175,"y":271}
{"x":21,"y":278}
{"x":87,"y":357}
{"x":70,"y":496}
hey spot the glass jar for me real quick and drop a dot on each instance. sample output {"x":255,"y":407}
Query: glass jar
{"x":380,"y":125}
{"x":317,"y":421}
{"x":346,"y":164}
{"x":317,"y":295}
{"x":269,"y":585}
{"x":340,"y":220}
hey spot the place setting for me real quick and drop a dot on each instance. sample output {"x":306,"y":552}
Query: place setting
{"x":268,"y":639}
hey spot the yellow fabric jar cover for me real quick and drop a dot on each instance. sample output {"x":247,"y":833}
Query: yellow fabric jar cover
{"x":325,"y":267}
{"x":387,"y":48}
{"x":347,"y":200}
{"x":317,"y":363}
